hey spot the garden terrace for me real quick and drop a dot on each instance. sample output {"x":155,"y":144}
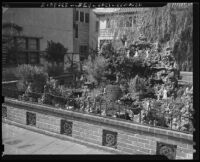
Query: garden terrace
{"x":136,"y":99}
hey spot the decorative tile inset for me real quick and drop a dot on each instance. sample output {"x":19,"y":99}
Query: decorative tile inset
{"x":4,"y":111}
{"x":30,"y":118}
{"x":66,"y":127}
{"x":167,"y":150}
{"x":109,"y":138}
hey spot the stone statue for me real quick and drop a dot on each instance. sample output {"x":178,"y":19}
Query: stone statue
{"x":159,"y":94}
{"x":136,"y":54}
{"x":147,"y":54}
{"x":128,"y":53}
{"x":104,"y":90}
{"x":175,"y":65}
{"x":186,"y":91}
{"x":164,"y":93}
{"x":191,"y":90}
{"x":29,"y":88}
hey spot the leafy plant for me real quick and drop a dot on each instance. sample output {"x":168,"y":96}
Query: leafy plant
{"x":55,"y":52}
{"x":137,"y":87}
{"x":34,"y":74}
{"x":95,"y":70}
{"x":9,"y":74}
{"x":174,"y":26}
{"x":53,"y":69}
{"x":107,"y":50}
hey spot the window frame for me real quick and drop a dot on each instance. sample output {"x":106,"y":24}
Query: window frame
{"x":81,"y":16}
{"x":97,"y":26}
{"x":129,"y":22}
{"x":87,"y":18}
{"x":83,"y":52}
{"x":36,"y":57}
{"x":77,"y":16}
{"x":108,"y":23}
{"x":76,"y":30}
{"x":35,"y":44}
{"x":25,"y":50}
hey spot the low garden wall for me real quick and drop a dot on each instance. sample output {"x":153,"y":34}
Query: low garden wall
{"x":124,"y":136}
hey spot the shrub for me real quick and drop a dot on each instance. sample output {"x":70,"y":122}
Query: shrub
{"x":95,"y":69}
{"x":107,"y":50}
{"x":28,"y":73}
{"x":136,"y":86}
{"x":95,"y":93}
{"x":55,"y":52}
{"x":53,"y":69}
{"x":9,"y":74}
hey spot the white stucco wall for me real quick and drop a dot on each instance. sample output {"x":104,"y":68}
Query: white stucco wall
{"x":93,"y":35}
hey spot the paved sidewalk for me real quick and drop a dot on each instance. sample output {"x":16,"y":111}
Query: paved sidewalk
{"x":21,"y":141}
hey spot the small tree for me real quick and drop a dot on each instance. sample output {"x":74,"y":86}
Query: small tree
{"x":96,"y":69}
{"x":55,"y":52}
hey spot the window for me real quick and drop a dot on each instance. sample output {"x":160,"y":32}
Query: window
{"x":29,"y":50}
{"x":32,"y":44}
{"x":83,"y":52}
{"x":87,"y":17}
{"x":22,"y":43}
{"x":129,"y":22}
{"x":76,"y":30}
{"x":121,"y":23}
{"x":77,"y":15}
{"x":22,"y":58}
{"x":33,"y":57}
{"x":108,"y":23}
{"x":97,"y":26}
{"x":81,"y":16}
{"x":134,"y":20}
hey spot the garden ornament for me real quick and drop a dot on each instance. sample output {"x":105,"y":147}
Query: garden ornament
{"x":128,"y":53}
{"x":159,"y":94}
{"x":103,"y":113}
{"x":175,"y":65}
{"x":104,"y":90}
{"x":136,"y":54}
{"x":29,"y":88}
{"x":186,"y":91}
{"x":165,"y":94}
{"x":147,"y":54}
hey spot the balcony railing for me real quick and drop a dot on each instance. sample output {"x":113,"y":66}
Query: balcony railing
{"x":109,"y":32}
{"x":106,"y":32}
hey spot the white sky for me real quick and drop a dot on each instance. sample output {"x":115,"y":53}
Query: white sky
{"x":105,"y":9}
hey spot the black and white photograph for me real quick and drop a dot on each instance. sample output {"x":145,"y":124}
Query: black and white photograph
{"x":98,"y":79}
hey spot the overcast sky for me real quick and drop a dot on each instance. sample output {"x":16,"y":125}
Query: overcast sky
{"x":106,"y":9}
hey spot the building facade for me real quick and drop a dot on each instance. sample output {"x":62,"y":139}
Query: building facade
{"x":114,"y":22}
{"x":68,"y":26}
